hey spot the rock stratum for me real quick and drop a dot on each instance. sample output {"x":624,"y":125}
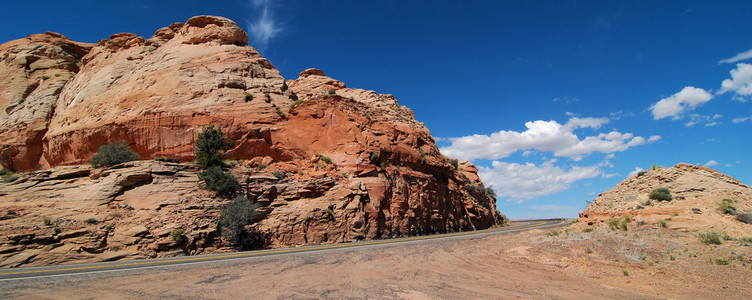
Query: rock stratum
{"x":63,"y":99}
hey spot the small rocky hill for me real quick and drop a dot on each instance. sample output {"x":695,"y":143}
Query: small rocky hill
{"x":64,"y":99}
{"x":696,"y":193}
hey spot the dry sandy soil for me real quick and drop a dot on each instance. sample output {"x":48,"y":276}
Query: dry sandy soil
{"x":540,"y":264}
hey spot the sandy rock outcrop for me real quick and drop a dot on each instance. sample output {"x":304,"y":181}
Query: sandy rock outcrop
{"x":696,"y":192}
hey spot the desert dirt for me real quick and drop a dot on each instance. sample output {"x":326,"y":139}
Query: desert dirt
{"x":561,"y":263}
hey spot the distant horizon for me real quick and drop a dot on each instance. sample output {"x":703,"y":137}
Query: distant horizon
{"x":554,"y":101}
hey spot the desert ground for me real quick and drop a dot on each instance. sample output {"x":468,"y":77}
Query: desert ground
{"x":644,"y":262}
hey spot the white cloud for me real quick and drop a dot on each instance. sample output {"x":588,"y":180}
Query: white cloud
{"x":610,"y":156}
{"x":544,"y":136}
{"x":609,"y":175}
{"x":265,"y":27}
{"x":528,"y":181}
{"x":740,"y":120}
{"x":654,"y":138}
{"x":710,"y":163}
{"x":551,"y":207}
{"x":740,"y":82}
{"x":636,"y":170}
{"x":738,"y":57}
{"x":688,"y":98}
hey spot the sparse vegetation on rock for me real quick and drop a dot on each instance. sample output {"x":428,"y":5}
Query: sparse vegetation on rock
{"x":726,"y":206}
{"x":711,"y":238}
{"x":238,"y":213}
{"x":111,"y":154}
{"x":177,"y":235}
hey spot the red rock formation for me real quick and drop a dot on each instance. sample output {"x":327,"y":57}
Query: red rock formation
{"x":388,"y":177}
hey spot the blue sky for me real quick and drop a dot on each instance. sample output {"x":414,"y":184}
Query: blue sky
{"x":555,"y":101}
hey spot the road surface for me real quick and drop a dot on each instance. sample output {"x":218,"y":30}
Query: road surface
{"x":17,"y":274}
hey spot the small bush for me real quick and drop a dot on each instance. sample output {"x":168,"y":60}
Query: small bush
{"x":296,"y":103}
{"x":279,"y":112}
{"x":332,"y":92}
{"x":384,"y":164}
{"x":233,"y":218}
{"x":661,"y":194}
{"x":111,"y":154}
{"x":663,"y":223}
{"x":279,"y":174}
{"x":220,"y":182}
{"x":553,"y":232}
{"x":91,"y":221}
{"x":261,"y":167}
{"x":248,"y":97}
{"x":745,"y":241}
{"x":168,"y":159}
{"x":46,"y":221}
{"x":711,"y":237}
{"x":721,"y":262}
{"x":8,"y":176}
{"x":177,"y":235}
{"x":625,"y":272}
{"x":646,"y":202}
{"x":745,"y":217}
{"x":45,"y":77}
{"x":617,"y":224}
{"x":726,"y":206}
{"x":368,"y":116}
{"x":115,"y":214}
{"x":454,"y":162}
{"x":324,"y":158}
{"x":375,"y":157}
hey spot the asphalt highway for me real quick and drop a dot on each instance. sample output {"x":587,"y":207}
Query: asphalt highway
{"x":16,"y":274}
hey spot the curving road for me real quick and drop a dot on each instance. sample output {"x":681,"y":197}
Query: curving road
{"x":68,"y":270}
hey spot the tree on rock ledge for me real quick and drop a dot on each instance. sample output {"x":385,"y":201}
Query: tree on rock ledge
{"x":209,"y":145}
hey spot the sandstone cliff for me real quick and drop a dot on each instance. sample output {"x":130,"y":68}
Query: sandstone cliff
{"x":386,"y":178}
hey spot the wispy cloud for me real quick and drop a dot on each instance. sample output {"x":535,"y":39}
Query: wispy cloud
{"x":549,"y":136}
{"x":264,"y":27}
{"x":740,"y":120}
{"x":675,"y":106}
{"x":710,"y":163}
{"x":738,"y":57}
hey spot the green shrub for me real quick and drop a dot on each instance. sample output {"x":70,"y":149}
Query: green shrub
{"x":220,"y":182}
{"x":711,"y":237}
{"x":368,"y":116}
{"x":280,"y":113}
{"x":471,"y":188}
{"x":332,"y":92}
{"x":45,"y":77}
{"x":324,"y":158}
{"x":177,"y":235}
{"x":167,"y":159}
{"x":8,"y":176}
{"x":745,"y":241}
{"x":261,"y":167}
{"x":375,"y":157}
{"x":279,"y":174}
{"x":384,"y":164}
{"x":625,"y":271}
{"x":454,"y":162}
{"x":745,"y":217}
{"x":234,"y":217}
{"x":248,"y":97}
{"x":209,"y":144}
{"x":726,"y":206}
{"x":111,"y":154}
{"x":660,"y":194}
{"x":46,"y":221}
{"x":721,"y":262}
{"x":91,"y":221}
{"x":115,"y":214}
{"x":553,"y":232}
{"x":296,"y":103}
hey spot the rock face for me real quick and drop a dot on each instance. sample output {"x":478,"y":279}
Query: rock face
{"x":386,"y":177}
{"x":34,"y":71}
{"x":696,"y":192}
